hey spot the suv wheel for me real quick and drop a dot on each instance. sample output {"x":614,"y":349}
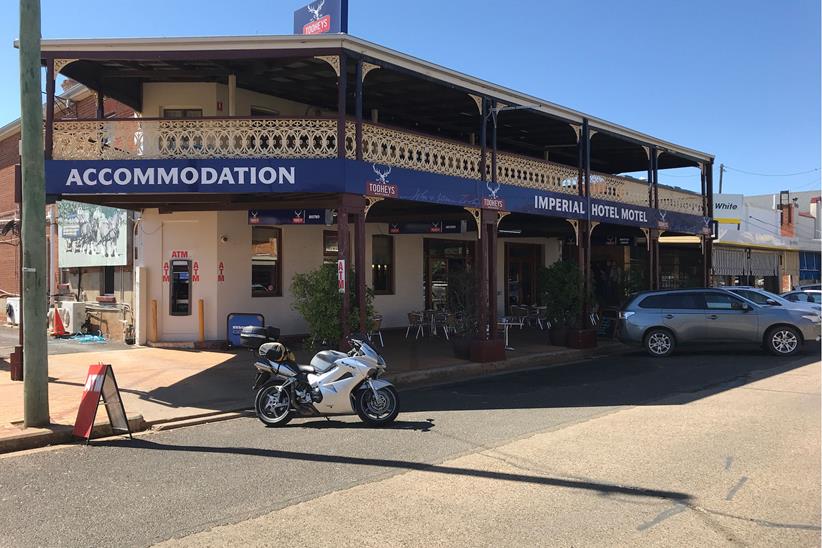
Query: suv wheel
{"x":783,"y":340}
{"x":659,"y":342}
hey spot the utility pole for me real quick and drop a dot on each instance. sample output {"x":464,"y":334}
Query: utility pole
{"x":35,"y":352}
{"x":721,"y":171}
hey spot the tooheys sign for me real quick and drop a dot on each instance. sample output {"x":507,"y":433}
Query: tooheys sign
{"x":322,"y":16}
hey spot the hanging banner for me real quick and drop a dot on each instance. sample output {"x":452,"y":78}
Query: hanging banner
{"x":322,"y":16}
{"x":430,"y":227}
{"x":100,"y":382}
{"x":290,"y":217}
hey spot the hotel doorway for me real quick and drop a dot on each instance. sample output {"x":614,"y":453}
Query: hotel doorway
{"x":521,"y":264}
{"x":443,"y":259}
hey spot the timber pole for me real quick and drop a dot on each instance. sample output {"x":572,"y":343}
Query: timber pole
{"x":35,"y":354}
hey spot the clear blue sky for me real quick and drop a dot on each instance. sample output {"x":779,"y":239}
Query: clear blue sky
{"x":737,"y":78}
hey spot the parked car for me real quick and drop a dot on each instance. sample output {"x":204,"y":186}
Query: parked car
{"x":760,"y":296}
{"x":807,"y":296}
{"x":662,"y":320}
{"x":809,"y":287}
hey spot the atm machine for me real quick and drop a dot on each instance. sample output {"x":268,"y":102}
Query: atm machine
{"x":180,"y":293}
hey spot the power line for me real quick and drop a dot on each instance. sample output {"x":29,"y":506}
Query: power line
{"x":771,"y":174}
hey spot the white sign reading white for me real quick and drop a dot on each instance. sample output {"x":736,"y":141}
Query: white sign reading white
{"x":91,"y":235}
{"x":728,"y":208}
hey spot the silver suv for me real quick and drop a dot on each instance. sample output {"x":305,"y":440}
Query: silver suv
{"x":661,"y":320}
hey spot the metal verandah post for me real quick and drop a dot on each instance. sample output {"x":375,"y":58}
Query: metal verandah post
{"x":359,"y":266}
{"x":491,"y":237}
{"x":586,"y":231}
{"x":342,"y":255}
{"x":708,"y":212}
{"x":341,"y":105}
{"x":358,"y":111}
{"x":35,"y":356}
{"x":653,"y":249}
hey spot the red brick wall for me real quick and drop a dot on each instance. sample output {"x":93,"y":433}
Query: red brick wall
{"x":9,"y":157}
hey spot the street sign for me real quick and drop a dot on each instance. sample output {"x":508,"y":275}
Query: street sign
{"x":100,"y":382}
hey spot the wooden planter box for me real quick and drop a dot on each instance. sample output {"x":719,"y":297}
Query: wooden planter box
{"x":487,"y":351}
{"x":558,"y":336}
{"x":582,"y":338}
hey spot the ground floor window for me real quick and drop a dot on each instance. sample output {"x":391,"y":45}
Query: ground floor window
{"x":382,"y":264}
{"x":445,"y":260}
{"x":266,"y":261}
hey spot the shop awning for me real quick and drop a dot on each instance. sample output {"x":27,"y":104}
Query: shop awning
{"x":729,"y":262}
{"x":764,"y":263}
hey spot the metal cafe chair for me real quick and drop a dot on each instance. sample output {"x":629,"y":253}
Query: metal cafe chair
{"x":447,"y":322}
{"x":541,"y":317}
{"x":520,"y":315}
{"x":376,"y":323}
{"x":415,"y":322}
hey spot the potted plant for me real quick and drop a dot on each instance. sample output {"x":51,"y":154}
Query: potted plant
{"x":317,"y":298}
{"x":461,"y":302}
{"x":560,"y":283}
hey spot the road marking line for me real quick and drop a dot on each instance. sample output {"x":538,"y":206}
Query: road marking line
{"x":662,"y":516}
{"x":736,"y":487}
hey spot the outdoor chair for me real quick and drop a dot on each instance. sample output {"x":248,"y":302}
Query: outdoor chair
{"x":520,"y":313}
{"x":448,"y":323}
{"x":376,"y":324}
{"x":541,"y":317}
{"x":415,"y":322}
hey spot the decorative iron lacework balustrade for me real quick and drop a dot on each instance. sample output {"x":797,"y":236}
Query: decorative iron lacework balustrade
{"x":140,"y":138}
{"x":196,"y":138}
{"x":413,"y":151}
{"x":681,"y":201}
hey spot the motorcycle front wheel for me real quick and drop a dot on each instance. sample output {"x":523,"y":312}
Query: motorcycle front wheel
{"x":273,"y":405}
{"x":378,"y":410}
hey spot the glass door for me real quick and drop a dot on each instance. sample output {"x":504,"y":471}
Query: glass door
{"x":521,"y":263}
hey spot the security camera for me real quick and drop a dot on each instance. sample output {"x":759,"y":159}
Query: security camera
{"x":224,"y":238}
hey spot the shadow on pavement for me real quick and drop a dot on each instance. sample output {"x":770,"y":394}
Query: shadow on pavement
{"x":602,"y":488}
{"x":630,"y":379}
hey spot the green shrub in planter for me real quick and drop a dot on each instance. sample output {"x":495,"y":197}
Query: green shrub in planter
{"x":318,"y":300}
{"x":561,"y":293}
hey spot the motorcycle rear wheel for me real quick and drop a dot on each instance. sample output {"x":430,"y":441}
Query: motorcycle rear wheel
{"x":380,"y":410}
{"x":273,"y":405}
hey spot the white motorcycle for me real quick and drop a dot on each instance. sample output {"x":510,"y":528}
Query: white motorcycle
{"x":334,"y":383}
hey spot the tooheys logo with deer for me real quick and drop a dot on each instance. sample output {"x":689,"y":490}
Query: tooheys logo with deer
{"x":319,"y":23}
{"x":491,"y":201}
{"x":381,"y":187}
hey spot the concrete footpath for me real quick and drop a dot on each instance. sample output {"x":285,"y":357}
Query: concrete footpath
{"x":737,"y":467}
{"x":164,"y":388}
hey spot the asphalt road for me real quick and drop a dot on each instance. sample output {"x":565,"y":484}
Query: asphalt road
{"x":175,"y":483}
